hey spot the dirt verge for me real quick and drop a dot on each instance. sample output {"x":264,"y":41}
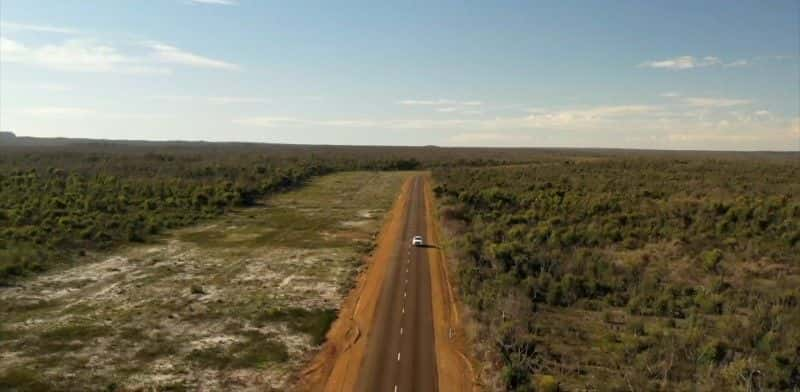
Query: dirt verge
{"x":455,"y":368}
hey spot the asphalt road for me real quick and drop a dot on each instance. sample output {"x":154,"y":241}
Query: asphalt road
{"x":400,"y":353}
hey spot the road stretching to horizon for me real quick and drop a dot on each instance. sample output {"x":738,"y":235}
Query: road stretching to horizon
{"x":401,"y":352}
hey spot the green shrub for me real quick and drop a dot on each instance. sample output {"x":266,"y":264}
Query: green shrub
{"x":711,"y":260}
{"x":546,"y":383}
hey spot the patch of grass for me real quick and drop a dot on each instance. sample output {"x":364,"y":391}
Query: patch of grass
{"x":315,"y":322}
{"x":27,"y":306}
{"x":69,"y":336}
{"x":7,"y":334}
{"x":23,"y":380}
{"x":259,"y":352}
{"x":255,"y":352}
{"x":212,"y":357}
{"x":76,"y":332}
{"x":157,"y":347}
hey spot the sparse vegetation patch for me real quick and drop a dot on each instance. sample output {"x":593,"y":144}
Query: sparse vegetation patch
{"x":184,"y":312}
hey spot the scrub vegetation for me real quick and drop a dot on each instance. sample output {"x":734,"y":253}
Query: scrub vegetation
{"x":631,"y":273}
{"x":198,"y":266}
{"x":234,"y":302}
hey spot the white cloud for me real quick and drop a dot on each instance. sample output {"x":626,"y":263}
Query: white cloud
{"x":77,"y":55}
{"x":714,"y":125}
{"x":217,"y":100}
{"x":274,"y":122}
{"x":670,"y":94}
{"x":12,"y":26}
{"x":712,"y":136}
{"x":59,"y":111}
{"x":600,"y":116}
{"x":438,"y":102}
{"x":705,"y":102}
{"x":280,"y":121}
{"x":172,"y":55}
{"x":88,"y":55}
{"x":762,"y":113}
{"x":603,"y":116}
{"x":682,"y":63}
{"x":214,"y":2}
{"x":53,"y":87}
{"x":738,"y":63}
{"x":491,"y":139}
{"x":447,"y":110}
{"x":690,"y":62}
{"x":71,"y":112}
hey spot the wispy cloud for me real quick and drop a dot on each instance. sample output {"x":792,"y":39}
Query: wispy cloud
{"x":59,"y":111}
{"x":737,"y":63}
{"x":76,"y":55}
{"x":287,"y":122}
{"x":173,"y":55}
{"x":690,"y":62}
{"x":593,"y":117}
{"x":72,"y":112}
{"x":705,"y":102}
{"x":53,"y":87}
{"x":214,"y":2}
{"x":492,"y":139}
{"x":670,"y":94}
{"x":551,"y":119}
{"x":90,"y":55}
{"x":682,"y":63}
{"x":217,"y":100}
{"x":13,"y":26}
{"x":438,"y":102}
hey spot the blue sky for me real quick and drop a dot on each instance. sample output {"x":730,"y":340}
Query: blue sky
{"x":631,"y":74}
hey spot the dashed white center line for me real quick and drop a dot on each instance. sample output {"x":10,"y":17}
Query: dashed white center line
{"x":398,"y":356}
{"x":406,"y":270}
{"x":404,"y":309}
{"x":395,"y":388}
{"x":404,"y":294}
{"x":401,"y":330}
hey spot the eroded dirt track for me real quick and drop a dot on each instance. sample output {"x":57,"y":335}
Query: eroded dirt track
{"x":398,"y":330}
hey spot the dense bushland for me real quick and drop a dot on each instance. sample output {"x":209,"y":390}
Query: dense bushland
{"x":49,"y":215}
{"x":637,"y":273}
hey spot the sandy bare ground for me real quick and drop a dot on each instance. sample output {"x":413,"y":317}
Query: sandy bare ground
{"x":235,"y":304}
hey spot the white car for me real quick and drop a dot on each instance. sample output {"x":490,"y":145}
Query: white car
{"x":417,"y":240}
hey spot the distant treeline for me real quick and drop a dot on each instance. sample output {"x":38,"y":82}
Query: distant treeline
{"x":61,"y":197}
{"x":638,"y":273}
{"x":57,"y":202}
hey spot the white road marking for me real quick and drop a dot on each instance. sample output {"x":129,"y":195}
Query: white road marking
{"x":398,"y":356}
{"x":401,"y":330}
{"x":406,"y":270}
{"x":404,"y":294}
{"x":395,"y":388}
{"x":404,"y":309}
